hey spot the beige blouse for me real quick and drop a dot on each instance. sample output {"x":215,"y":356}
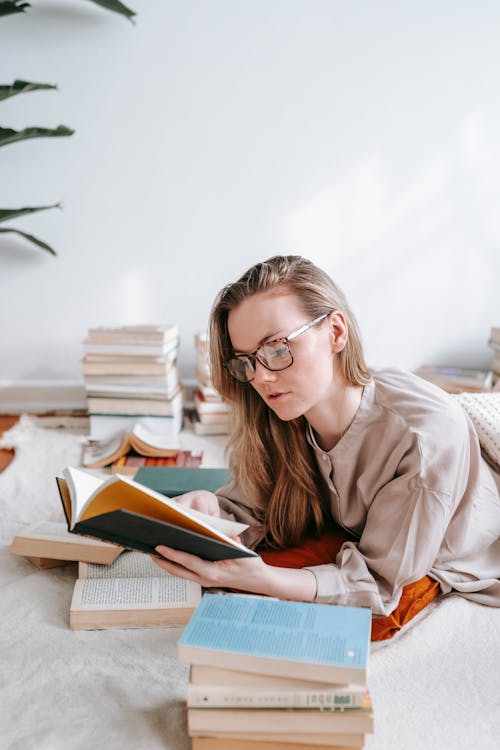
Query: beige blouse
{"x":408,"y":480}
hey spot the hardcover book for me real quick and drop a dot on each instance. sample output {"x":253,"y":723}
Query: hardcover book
{"x":121,"y":511}
{"x":174,"y":480}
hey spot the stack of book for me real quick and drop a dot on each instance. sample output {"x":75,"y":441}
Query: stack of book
{"x":130,"y":373}
{"x":210,"y":415}
{"x":457,"y":379}
{"x":494,"y":342}
{"x":276,"y":675}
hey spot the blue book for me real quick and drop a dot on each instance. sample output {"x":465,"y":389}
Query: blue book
{"x":299,"y":640}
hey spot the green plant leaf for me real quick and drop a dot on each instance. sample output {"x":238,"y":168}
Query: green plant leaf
{"x":7,"y":135}
{"x":12,"y":213}
{"x":12,"y":6}
{"x":22,"y":87}
{"x":116,"y":6}
{"x":31,"y":238}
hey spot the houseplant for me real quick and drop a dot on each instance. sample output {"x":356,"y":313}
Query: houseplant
{"x":9,"y":136}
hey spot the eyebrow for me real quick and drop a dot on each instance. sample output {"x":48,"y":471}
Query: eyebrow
{"x":269,"y":336}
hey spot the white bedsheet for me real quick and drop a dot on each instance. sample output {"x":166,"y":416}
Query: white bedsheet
{"x":436,"y":686}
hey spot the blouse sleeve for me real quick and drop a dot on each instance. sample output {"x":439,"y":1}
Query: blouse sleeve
{"x":403,"y":533}
{"x":233,"y":504}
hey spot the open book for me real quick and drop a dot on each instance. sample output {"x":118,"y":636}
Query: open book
{"x":142,"y":440}
{"x":133,"y":592}
{"x":124,"y":512}
{"x":48,"y":544}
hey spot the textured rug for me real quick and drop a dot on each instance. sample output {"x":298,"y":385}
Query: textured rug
{"x":435,"y":686}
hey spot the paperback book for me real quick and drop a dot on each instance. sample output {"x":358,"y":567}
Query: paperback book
{"x":271,"y":741}
{"x":141,"y":439}
{"x":48,"y":544}
{"x":282,"y":638}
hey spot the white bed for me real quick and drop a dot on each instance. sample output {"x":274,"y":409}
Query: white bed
{"x":436,"y":686}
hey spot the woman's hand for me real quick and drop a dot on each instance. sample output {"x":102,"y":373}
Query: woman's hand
{"x":249,"y":574}
{"x":202,"y":500}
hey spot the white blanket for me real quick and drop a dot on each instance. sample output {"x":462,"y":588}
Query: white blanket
{"x":435,"y":686}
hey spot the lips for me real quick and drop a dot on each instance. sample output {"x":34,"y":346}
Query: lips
{"x":275,"y":396}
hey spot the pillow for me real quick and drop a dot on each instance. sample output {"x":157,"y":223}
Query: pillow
{"x":484,"y":411}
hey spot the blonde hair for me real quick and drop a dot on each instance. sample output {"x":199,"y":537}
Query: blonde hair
{"x":269,"y":458}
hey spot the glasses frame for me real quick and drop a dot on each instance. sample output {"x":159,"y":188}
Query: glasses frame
{"x":254,"y":356}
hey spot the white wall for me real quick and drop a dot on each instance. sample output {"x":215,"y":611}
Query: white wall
{"x":212,"y":134}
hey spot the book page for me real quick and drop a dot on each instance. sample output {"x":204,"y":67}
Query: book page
{"x":92,"y":496}
{"x":130,"y":564}
{"x":156,"y":439}
{"x":103,"y":450}
{"x":135,"y":593}
{"x":81,"y":485}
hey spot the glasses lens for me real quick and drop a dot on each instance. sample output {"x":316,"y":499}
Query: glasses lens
{"x":241,"y":368}
{"x":275,"y":356}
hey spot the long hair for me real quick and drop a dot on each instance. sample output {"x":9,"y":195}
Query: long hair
{"x":269,"y":458}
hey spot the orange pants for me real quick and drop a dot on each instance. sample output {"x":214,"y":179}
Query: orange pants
{"x":414,"y":598}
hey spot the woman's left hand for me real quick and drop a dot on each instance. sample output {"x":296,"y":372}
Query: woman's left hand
{"x":249,"y":574}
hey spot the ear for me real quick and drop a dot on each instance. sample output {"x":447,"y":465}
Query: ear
{"x":339,"y":330}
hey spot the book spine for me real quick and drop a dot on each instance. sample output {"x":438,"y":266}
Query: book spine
{"x":211,"y":696}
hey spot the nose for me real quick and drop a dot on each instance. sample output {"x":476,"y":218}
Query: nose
{"x":263,"y":375}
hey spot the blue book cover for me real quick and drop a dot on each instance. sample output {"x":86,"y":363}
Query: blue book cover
{"x":271,"y":630}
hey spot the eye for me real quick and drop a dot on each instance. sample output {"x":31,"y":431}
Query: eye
{"x":278,"y":350}
{"x":274,"y":351}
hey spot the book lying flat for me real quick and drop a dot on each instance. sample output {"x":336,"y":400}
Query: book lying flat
{"x":456,"y":379}
{"x":354,"y":721}
{"x":135,"y":406}
{"x":173,"y":481}
{"x":332,"y":742}
{"x":121,"y":511}
{"x":133,"y":592}
{"x":288,"y":694}
{"x":140,"y":438}
{"x":287,"y":639}
{"x":51,"y":542}
{"x":200,"y":674}
{"x":105,"y":427}
{"x":122,"y":365}
{"x":134,"y":334}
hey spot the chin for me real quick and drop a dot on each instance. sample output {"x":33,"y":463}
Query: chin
{"x":286,"y":414}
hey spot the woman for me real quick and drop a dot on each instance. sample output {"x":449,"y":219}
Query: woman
{"x":361,"y":488}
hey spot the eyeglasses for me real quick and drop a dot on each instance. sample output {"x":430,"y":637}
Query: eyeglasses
{"x":273,"y":355}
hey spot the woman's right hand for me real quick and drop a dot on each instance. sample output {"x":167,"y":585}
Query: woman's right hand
{"x":202,"y":500}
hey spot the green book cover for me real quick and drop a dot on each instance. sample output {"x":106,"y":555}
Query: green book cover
{"x":176,"y":480}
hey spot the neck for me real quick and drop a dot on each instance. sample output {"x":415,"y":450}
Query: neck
{"x":331,"y":420}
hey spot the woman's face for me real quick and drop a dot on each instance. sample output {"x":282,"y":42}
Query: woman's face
{"x":314,"y":375}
